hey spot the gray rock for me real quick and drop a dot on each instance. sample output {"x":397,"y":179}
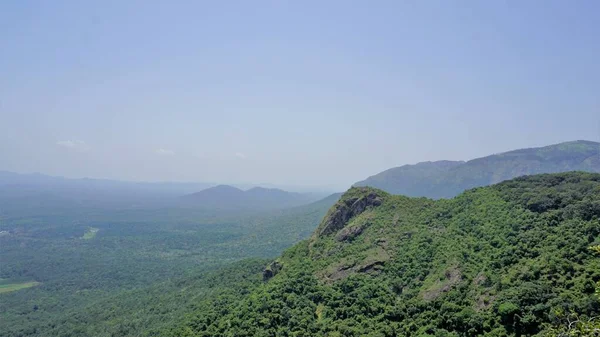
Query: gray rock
{"x":271,"y":270}
{"x":349,"y":233}
{"x":346,"y":210}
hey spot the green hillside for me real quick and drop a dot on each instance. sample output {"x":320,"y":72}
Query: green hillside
{"x":511,"y":259}
{"x":445,"y":179}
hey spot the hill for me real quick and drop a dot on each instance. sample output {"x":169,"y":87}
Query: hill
{"x":511,"y":259}
{"x":43,"y":194}
{"x":229,"y":197}
{"x":445,"y":179}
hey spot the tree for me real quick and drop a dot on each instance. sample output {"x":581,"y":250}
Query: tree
{"x":576,"y":327}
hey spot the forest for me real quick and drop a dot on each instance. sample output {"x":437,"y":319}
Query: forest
{"x":513,"y":259}
{"x":300,"y":168}
{"x":96,"y":272}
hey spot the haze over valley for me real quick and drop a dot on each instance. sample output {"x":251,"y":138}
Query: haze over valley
{"x":328,"y":169}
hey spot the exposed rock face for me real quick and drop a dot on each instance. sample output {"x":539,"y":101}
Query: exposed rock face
{"x":271,"y":270}
{"x":346,"y":209}
{"x":349,"y":233}
{"x":372,"y":264}
{"x":452,"y":277}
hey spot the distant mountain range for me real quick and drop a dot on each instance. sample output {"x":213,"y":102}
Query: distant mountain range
{"x":40,"y":181}
{"x":438,"y":179}
{"x":39,"y":191}
{"x":445,"y":179}
{"x":229,"y":197}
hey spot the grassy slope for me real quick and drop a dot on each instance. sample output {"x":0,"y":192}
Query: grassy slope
{"x":8,"y":287}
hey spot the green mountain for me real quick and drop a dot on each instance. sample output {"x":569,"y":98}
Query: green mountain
{"x":511,"y":259}
{"x":445,"y":179}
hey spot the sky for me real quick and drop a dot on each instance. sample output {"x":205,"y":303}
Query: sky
{"x":319,"y":93}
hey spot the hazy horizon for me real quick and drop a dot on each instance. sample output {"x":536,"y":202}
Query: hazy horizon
{"x":245,"y":185}
{"x":289,"y":94}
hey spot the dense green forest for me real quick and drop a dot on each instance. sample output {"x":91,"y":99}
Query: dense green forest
{"x":513,"y":259}
{"x":95,"y":272}
{"x":445,"y":179}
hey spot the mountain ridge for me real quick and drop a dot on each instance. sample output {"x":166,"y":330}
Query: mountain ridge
{"x":445,"y":179}
{"x":230,"y":197}
{"x":510,"y":259}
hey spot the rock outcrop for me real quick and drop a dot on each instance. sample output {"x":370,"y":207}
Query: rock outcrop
{"x":349,"y":233}
{"x":372,"y":264}
{"x":271,"y":270}
{"x":353,"y":203}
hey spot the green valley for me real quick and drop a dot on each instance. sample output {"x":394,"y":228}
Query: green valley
{"x":300,"y":168}
{"x":98,"y":271}
{"x":510,"y":259}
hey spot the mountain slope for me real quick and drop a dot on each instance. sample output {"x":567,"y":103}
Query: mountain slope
{"x":257,"y":198}
{"x":505,"y":260}
{"x":445,"y":179}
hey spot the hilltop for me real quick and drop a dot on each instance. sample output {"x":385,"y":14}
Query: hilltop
{"x":510,"y":259}
{"x":229,"y":197}
{"x":445,"y":179}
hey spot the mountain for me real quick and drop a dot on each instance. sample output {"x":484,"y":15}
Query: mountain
{"x":38,"y":192}
{"x":46,"y":182}
{"x":228,"y":197}
{"x":445,"y":179}
{"x":511,"y":259}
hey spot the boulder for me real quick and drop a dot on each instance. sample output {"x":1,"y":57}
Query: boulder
{"x":349,"y":233}
{"x":271,"y":270}
{"x":345,"y":210}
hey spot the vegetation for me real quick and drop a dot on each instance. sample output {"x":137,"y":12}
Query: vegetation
{"x":576,"y":326}
{"x":506,"y":260}
{"x":446,"y":179}
{"x":6,"y":285}
{"x":511,"y":259}
{"x":90,"y":233}
{"x":125,"y":272}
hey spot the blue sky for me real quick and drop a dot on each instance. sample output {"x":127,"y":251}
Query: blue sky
{"x":289,"y":92}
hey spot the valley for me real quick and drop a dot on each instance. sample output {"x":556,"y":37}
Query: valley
{"x":505,"y":260}
{"x":300,"y":168}
{"x":86,"y":261}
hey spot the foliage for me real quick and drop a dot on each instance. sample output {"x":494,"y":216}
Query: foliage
{"x":7,"y":286}
{"x":575,"y":326}
{"x":488,"y":262}
{"x":126,"y":272}
{"x":507,"y":260}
